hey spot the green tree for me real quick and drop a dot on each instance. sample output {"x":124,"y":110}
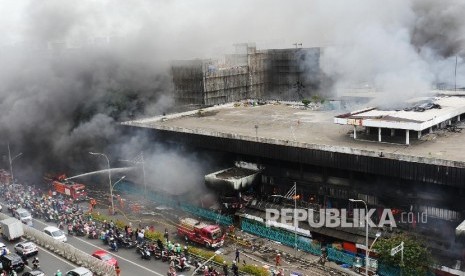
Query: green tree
{"x":417,"y":258}
{"x":306,"y":102}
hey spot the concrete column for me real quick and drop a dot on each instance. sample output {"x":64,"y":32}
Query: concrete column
{"x":458,"y":118}
{"x":437,"y":126}
{"x":367,"y":129}
{"x":407,"y":137}
{"x":379,"y":134}
{"x":393,"y":131}
{"x":355,"y":132}
{"x":450,"y":122}
{"x":419,"y":134}
{"x":431,"y":130}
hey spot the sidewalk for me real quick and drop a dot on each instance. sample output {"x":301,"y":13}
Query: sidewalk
{"x":305,"y":263}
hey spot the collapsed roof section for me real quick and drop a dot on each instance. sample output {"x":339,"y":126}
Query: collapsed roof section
{"x":416,"y":116}
{"x":237,"y":178}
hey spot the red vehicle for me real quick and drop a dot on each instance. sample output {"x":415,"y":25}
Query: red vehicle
{"x":69,"y":188}
{"x":202,"y":233}
{"x":106,"y":257}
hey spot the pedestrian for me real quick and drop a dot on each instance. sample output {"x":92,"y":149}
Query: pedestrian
{"x":235,"y":268}
{"x":278,"y":259}
{"x":58,"y":273}
{"x":118,"y":271}
{"x":225,"y":268}
{"x":237,"y":259}
{"x":166,"y":235}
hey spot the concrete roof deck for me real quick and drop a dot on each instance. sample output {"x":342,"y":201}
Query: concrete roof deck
{"x":291,"y":125}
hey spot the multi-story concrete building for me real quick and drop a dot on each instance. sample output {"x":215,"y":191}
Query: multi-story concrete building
{"x":248,"y":73}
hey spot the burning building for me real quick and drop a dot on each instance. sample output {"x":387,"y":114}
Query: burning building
{"x":299,"y":145}
{"x":247,"y":74}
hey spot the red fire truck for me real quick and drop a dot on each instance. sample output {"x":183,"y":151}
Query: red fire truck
{"x":202,"y":233}
{"x":69,"y":188}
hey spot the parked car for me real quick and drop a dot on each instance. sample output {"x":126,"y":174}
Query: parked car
{"x":34,"y":273}
{"x":26,"y":249}
{"x":79,"y":271}
{"x":106,"y":257}
{"x":55,"y":233}
{"x":12,"y":261}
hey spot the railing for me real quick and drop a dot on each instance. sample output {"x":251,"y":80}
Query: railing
{"x":282,"y":236}
{"x":66,"y":251}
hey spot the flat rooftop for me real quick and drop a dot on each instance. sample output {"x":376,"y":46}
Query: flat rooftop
{"x":416,"y":115}
{"x":292,"y":125}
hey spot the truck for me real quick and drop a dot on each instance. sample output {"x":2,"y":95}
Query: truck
{"x":12,"y":229}
{"x":209,"y":235}
{"x":60,"y":184}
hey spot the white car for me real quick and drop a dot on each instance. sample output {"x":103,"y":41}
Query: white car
{"x":26,"y":248}
{"x":79,"y":271}
{"x":55,"y":233}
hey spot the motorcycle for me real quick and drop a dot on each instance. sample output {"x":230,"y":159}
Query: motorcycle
{"x":181,"y":266}
{"x":93,"y":235}
{"x":125,"y":242}
{"x":143,"y":251}
{"x":113,"y":246}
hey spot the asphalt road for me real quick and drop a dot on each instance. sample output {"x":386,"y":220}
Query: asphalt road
{"x":49,"y":262}
{"x":129,"y":261}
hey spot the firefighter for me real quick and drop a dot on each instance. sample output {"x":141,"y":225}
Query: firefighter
{"x":278,"y":259}
{"x":93,"y":203}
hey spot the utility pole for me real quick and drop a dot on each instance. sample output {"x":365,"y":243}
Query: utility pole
{"x":455,"y":81}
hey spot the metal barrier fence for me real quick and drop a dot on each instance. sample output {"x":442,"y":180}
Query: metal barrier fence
{"x":67,"y":251}
{"x":282,"y":236}
{"x":170,"y":202}
{"x":341,"y":257}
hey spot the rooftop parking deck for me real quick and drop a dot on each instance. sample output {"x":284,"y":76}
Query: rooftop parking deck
{"x":296,"y":126}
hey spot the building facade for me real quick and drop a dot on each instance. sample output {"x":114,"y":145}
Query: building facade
{"x":248,"y":74}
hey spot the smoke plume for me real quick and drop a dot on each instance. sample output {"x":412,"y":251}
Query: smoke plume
{"x":71,"y":71}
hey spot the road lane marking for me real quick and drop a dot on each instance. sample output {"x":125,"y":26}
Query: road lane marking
{"x":129,"y":261}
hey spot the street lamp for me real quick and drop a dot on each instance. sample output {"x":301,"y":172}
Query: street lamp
{"x":119,"y":180}
{"x":11,"y":162}
{"x":217,"y":252}
{"x":109,"y":178}
{"x":366,"y":237}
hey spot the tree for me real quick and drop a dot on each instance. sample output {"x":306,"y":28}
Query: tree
{"x":306,"y":102}
{"x":417,"y":258}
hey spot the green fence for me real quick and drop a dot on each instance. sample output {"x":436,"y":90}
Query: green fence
{"x":170,"y":202}
{"x":279,"y":235}
{"x":340,"y":256}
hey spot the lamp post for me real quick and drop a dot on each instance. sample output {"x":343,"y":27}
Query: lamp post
{"x":11,"y":162}
{"x":366,"y":234}
{"x":109,"y":178}
{"x":217,"y":252}
{"x":119,"y":180}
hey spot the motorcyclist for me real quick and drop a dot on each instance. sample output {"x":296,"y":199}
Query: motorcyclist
{"x":35,"y":262}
